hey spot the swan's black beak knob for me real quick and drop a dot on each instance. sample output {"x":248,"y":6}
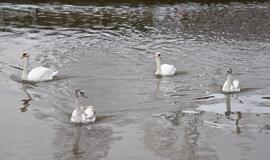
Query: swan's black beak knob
{"x":79,"y":93}
{"x":24,"y":54}
{"x":83,"y":94}
{"x":229,"y":71}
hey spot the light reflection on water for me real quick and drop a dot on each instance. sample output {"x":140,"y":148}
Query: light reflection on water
{"x":108,"y":51}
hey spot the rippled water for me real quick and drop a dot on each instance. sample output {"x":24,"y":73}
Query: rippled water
{"x":108,"y":51}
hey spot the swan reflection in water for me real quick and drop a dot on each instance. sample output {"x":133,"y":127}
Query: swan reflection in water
{"x":91,"y":130}
{"x":76,"y":146}
{"x":165,"y":86}
{"x":183,"y":126}
{"x":26,"y":101}
{"x":235,"y":116}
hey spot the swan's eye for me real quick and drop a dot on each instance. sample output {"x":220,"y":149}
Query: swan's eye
{"x":158,"y":55}
{"x":24,"y":54}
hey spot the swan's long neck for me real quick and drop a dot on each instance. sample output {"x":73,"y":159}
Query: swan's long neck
{"x":77,"y":103}
{"x":229,"y":79}
{"x":158,"y":71}
{"x":25,"y":68}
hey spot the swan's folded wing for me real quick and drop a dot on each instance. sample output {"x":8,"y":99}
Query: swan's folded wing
{"x":41,"y":74}
{"x":167,"y":69}
{"x":76,"y":117}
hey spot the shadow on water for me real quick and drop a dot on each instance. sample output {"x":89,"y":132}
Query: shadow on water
{"x":56,"y":78}
{"x":180,"y":73}
{"x":177,"y":73}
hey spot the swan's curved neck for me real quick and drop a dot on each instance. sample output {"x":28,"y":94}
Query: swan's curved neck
{"x":229,"y":78}
{"x":25,"y":68}
{"x":158,"y":71}
{"x":77,"y":103}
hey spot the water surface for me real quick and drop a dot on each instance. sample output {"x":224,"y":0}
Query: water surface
{"x":108,"y":51}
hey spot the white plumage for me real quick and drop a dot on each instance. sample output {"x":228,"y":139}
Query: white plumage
{"x":37,"y":74}
{"x":82,"y":114}
{"x":164,"y":69}
{"x":167,"y":70}
{"x":231,"y":85}
{"x":41,"y":74}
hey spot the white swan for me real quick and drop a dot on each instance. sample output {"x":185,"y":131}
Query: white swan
{"x":164,"y":69}
{"x":82,"y":114}
{"x":37,"y":74}
{"x":230,"y":85}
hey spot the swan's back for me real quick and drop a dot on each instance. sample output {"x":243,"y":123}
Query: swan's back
{"x":167,"y":69}
{"x":41,"y":74}
{"x":231,"y":87}
{"x":83,"y":115}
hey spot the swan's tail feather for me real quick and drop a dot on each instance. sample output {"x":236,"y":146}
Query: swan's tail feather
{"x":236,"y":85}
{"x":90,"y":114}
{"x":54,"y":73}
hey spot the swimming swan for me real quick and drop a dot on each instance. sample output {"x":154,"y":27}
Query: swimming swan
{"x":164,"y":69}
{"x":37,"y":74}
{"x":230,"y":85}
{"x":82,"y":114}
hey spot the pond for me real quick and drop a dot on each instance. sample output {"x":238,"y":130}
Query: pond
{"x":108,"y":50}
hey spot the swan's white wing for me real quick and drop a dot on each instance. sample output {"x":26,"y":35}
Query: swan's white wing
{"x":167,"y":70}
{"x":236,"y":86}
{"x":83,"y":115}
{"x":232,"y":87}
{"x":41,"y":74}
